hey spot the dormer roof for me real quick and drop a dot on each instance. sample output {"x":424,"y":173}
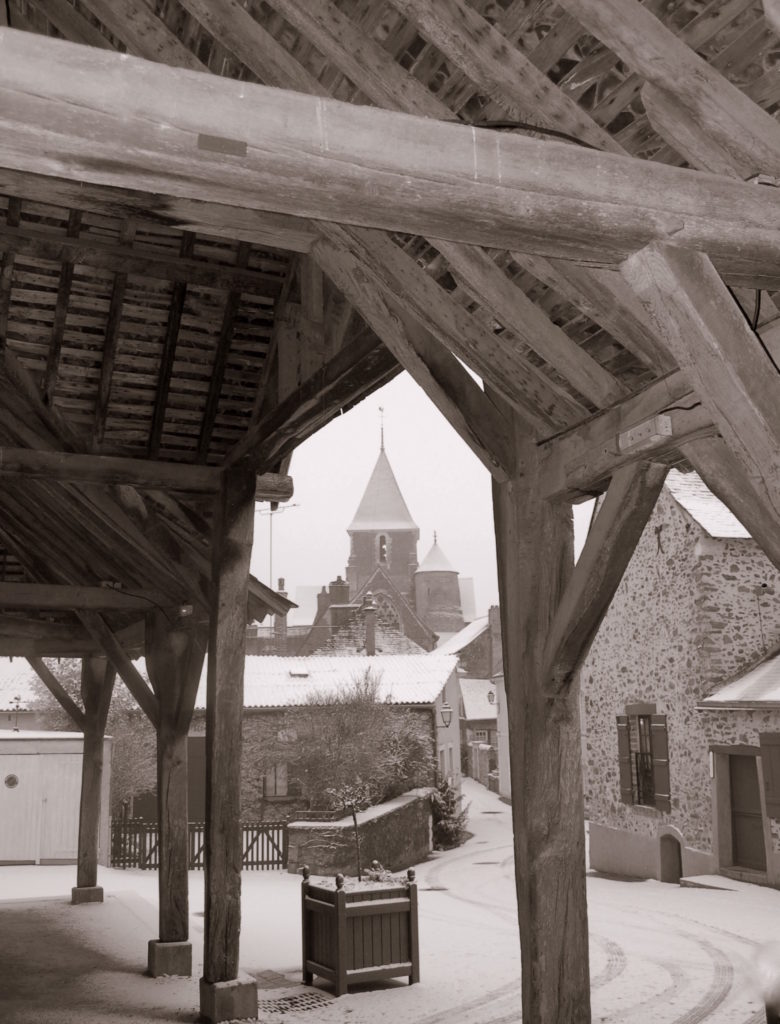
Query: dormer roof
{"x":436,"y":560}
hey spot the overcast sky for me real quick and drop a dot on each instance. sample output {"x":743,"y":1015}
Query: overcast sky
{"x":444,"y":484}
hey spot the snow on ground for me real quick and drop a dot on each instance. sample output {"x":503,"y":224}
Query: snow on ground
{"x":660,"y":954}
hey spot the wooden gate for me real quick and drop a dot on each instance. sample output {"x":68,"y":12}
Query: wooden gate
{"x":134,"y":844}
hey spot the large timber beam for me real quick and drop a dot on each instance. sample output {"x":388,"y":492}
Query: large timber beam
{"x":224,"y":993}
{"x":58,"y":691}
{"x":629,"y":503}
{"x":97,"y":684}
{"x":175,"y":648}
{"x":122,"y":663}
{"x":201,"y":137}
{"x":580,"y":462}
{"x":731,"y":372}
{"x":534,"y":539}
{"x":54,"y":597}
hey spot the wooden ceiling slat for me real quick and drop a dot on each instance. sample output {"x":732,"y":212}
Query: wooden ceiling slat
{"x":71,"y":24}
{"x":142,"y":32}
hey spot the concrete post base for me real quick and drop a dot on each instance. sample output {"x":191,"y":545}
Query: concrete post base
{"x":228,"y":1000}
{"x":169,"y":958}
{"x":86,"y":894}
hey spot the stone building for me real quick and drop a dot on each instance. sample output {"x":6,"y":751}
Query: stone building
{"x":680,"y":737}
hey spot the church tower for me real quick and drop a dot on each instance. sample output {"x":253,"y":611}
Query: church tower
{"x":382,"y":534}
{"x":437,"y":592}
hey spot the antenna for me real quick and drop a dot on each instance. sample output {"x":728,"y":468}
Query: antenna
{"x":381,"y":428}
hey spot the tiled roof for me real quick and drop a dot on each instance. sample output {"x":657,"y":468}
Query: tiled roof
{"x":382,"y":506}
{"x":463,"y":637}
{"x":760,"y":686}
{"x":476,"y":705}
{"x":689,"y":490}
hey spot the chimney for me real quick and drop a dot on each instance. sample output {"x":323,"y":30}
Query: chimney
{"x":280,"y":624}
{"x":339,"y":591}
{"x":323,"y":601}
{"x":368,"y":610}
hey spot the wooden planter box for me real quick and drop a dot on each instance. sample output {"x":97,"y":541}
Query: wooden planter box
{"x":360,"y":936}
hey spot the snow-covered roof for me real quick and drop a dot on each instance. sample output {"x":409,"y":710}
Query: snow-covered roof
{"x":435,"y":561}
{"x":275,"y":682}
{"x":476,"y":703}
{"x":382,"y":506}
{"x":690,"y":491}
{"x":285,"y":682}
{"x":759,"y":686}
{"x":463,"y":637}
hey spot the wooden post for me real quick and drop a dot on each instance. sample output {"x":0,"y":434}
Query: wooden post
{"x":175,"y":649}
{"x":535,"y":561}
{"x":223,"y":994}
{"x":97,"y":683}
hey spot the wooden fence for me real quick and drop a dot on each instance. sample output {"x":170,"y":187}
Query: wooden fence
{"x":135,"y":844}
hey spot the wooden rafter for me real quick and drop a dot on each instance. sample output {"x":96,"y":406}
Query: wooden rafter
{"x":7,"y":268}
{"x":95,"y":624}
{"x":111,"y":341}
{"x":60,"y":313}
{"x":732,"y":374}
{"x":438,"y":373}
{"x":220,"y":360}
{"x":58,"y":691}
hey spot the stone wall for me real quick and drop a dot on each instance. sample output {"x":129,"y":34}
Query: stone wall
{"x":687,"y":617}
{"x":398,"y":834}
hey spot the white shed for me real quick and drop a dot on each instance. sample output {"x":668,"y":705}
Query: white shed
{"x":40,"y":792}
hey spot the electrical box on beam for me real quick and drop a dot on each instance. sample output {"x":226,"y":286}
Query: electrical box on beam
{"x":649,"y":434}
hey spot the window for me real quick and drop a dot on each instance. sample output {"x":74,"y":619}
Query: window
{"x":382,"y":548}
{"x":481,"y":735}
{"x":643,"y":755}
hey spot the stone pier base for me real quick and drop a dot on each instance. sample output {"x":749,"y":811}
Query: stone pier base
{"x":86,"y":894}
{"x":169,"y":958}
{"x":228,"y":1000}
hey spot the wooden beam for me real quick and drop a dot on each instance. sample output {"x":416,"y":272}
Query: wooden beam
{"x":60,"y":313}
{"x":71,"y":24}
{"x":605,"y":297}
{"x":534,"y":540}
{"x":730,"y":371}
{"x":175,"y":649}
{"x":539,"y":400}
{"x":232,"y":546}
{"x":263,"y":228}
{"x":143,"y":32}
{"x":457,"y":396}
{"x":722,"y":111}
{"x":58,"y":691}
{"x":111,"y":340}
{"x":97,"y":684}
{"x":509,"y":304}
{"x":110,"y":470}
{"x":221,"y":353}
{"x":13,"y":214}
{"x":354,"y":372}
{"x":579,"y":463}
{"x":59,"y":597}
{"x":619,"y":523}
{"x":726,"y":477}
{"x":129,"y":674}
{"x":500,"y":70}
{"x":287,"y":152}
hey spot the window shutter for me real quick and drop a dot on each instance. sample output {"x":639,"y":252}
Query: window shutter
{"x":624,"y":760}
{"x":770,"y":765}
{"x":661,"y":780}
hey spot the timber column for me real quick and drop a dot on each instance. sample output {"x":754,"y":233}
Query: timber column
{"x":535,"y":542}
{"x":97,"y":684}
{"x":224,"y":995}
{"x":175,"y":648}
